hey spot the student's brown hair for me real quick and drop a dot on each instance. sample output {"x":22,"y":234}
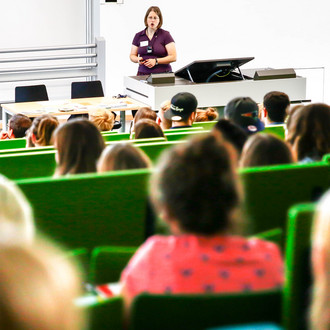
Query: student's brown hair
{"x":122,"y":156}
{"x":147,"y":128}
{"x":208,"y":114}
{"x":308,"y":131}
{"x":196,"y":184}
{"x":79,"y":145}
{"x":263,"y":149}
{"x":43,"y":128}
{"x":19,"y":123}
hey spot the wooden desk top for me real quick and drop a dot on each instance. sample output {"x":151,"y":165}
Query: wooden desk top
{"x":71,"y":106}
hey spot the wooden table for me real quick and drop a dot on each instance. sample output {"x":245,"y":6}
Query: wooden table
{"x":70,"y":106}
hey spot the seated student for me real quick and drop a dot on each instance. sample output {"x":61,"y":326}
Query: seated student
{"x":233,"y":133}
{"x":182,"y":111}
{"x":16,"y":217}
{"x":308,"y":132}
{"x":122,"y":156}
{"x":275,"y":107}
{"x":161,"y":120}
{"x":41,"y":132}
{"x":17,"y":127}
{"x":265,"y":149}
{"x":195,"y":190}
{"x":143,"y":113}
{"x":38,"y":287}
{"x":147,"y":128}
{"x":319,"y":316}
{"x":103,"y":119}
{"x":79,"y":145}
{"x":243,"y":111}
{"x":208,"y":114}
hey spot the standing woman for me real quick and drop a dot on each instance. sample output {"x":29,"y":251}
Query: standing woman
{"x":153,"y":48}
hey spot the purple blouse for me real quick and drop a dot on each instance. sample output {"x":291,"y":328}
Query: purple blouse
{"x":154,"y":48}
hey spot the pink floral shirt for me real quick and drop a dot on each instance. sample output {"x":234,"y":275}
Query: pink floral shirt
{"x":199,"y":264}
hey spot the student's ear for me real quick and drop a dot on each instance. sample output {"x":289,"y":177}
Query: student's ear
{"x":11,"y":133}
{"x":193,"y":116}
{"x":33,"y":138}
{"x":264,"y":113}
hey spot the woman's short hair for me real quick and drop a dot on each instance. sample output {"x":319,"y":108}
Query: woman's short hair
{"x":156,"y":10}
{"x":79,"y":145}
{"x":196,"y":185}
{"x":122,"y":156}
{"x":102,"y":118}
{"x":147,"y":128}
{"x":308,"y":131}
{"x":232,"y":132}
{"x":321,"y":265}
{"x":206,"y":115}
{"x":265,"y":149}
{"x":37,"y":288}
{"x":16,"y":216}
{"x":43,"y":128}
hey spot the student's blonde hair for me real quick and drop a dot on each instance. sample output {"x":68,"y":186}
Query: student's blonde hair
{"x":320,"y":316}
{"x":16,"y":218}
{"x":38,"y":287}
{"x":103,"y":119}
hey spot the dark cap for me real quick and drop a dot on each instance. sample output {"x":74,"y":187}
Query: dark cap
{"x":244,"y":112}
{"x":182,"y":105}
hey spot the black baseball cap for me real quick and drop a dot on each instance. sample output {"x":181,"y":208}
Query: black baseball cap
{"x":182,"y":105}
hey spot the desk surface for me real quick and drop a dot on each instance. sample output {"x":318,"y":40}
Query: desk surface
{"x":71,"y":106}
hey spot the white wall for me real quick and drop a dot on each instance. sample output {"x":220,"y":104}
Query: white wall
{"x":278,"y":33}
{"x":37,"y":23}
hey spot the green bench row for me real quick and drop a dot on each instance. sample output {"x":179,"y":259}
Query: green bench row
{"x":89,"y":210}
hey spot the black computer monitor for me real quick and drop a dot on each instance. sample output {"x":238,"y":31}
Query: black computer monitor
{"x":205,"y":71}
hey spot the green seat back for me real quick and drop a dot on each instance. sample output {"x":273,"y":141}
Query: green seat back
{"x":207,"y":125}
{"x":297,"y":267}
{"x":154,"y":150}
{"x":108,"y":314}
{"x":116,"y":137}
{"x":185,"y":129}
{"x":326,"y":158}
{"x":270,"y":192}
{"x":23,"y":150}
{"x":194,"y":312}
{"x":12,"y":143}
{"x":175,"y":136}
{"x":107,"y":263}
{"x":28,"y":164}
{"x":90,"y":210}
{"x":278,"y":130}
{"x":274,"y":235}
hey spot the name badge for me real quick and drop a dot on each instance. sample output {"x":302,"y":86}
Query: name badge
{"x":143,"y":43}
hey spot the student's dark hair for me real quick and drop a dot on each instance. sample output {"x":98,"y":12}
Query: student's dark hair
{"x":276,"y":104}
{"x":263,"y":149}
{"x":122,"y":156}
{"x":147,"y":128}
{"x":145,"y":113}
{"x":43,"y":128}
{"x":79,"y":145}
{"x":308,"y":130}
{"x":232,"y":132}
{"x":19,"y":123}
{"x":156,"y":10}
{"x":197,"y":186}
